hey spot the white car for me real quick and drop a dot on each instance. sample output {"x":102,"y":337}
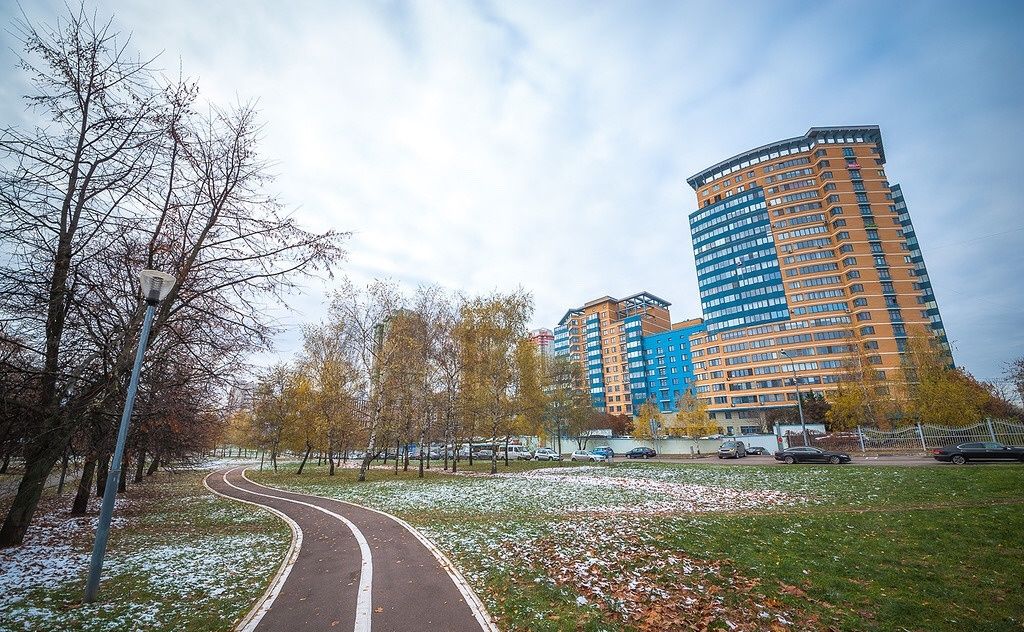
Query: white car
{"x":547,"y":454}
{"x":515,"y":453}
{"x":583,"y":455}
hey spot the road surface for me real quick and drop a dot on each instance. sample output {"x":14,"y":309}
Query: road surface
{"x":355,"y":569}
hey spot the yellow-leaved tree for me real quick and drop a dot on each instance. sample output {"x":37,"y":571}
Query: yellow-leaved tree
{"x":934,"y":392}
{"x":648,"y":422}
{"x":692,"y":419}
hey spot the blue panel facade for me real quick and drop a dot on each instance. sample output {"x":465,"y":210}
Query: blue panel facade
{"x":667,"y":369}
{"x":923,"y":283}
{"x":738,"y":270}
{"x":594,"y":361}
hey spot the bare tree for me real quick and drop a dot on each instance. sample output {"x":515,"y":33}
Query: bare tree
{"x":126,"y":175}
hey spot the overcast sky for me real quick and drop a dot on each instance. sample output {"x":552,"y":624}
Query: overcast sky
{"x":485,"y":145}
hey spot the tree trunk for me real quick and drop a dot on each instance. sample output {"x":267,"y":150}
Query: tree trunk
{"x":471,"y":452}
{"x":102,"y":469}
{"x":273,"y":457}
{"x":122,"y":481}
{"x":40,"y":457}
{"x":63,"y":473}
{"x":420,"y":475}
{"x":405,"y":457}
{"x":154,"y":466}
{"x":330,"y":456}
{"x":506,"y":450}
{"x":398,"y":452}
{"x":305,"y":456}
{"x":263,"y":455}
{"x":140,"y":466}
{"x":81,"y":503}
{"x":6,"y":463}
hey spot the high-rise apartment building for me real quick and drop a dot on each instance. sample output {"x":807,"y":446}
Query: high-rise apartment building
{"x":544,"y":339}
{"x":805,"y":254}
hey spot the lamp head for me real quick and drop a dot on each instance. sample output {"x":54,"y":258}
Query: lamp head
{"x":156,"y":285}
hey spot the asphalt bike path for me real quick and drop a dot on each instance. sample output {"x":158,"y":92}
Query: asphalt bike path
{"x":352,"y":568}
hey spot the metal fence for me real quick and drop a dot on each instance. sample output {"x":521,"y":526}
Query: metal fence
{"x":915,"y":438}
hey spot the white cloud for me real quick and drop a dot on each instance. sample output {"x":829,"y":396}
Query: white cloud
{"x":547,"y":145}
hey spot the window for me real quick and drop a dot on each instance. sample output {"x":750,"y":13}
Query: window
{"x":850,"y":261}
{"x":832,"y":199}
{"x":860,"y":302}
{"x":872,"y":234}
{"x":831,"y":186}
{"x":880,"y":260}
{"x":838,"y":223}
{"x":836,"y":211}
{"x":871,"y":344}
{"x":865,"y":209}
{"x":856,"y":287}
{"x":846,"y":248}
{"x":867,"y":330}
{"x":864,"y":316}
{"x":820,"y":153}
{"x":843,"y":235}
{"x":848,"y":152}
{"x":826,"y":175}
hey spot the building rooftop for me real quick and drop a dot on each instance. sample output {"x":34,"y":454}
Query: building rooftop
{"x":633,"y":302}
{"x":771,"y":151}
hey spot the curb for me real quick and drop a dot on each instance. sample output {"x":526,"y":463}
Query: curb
{"x":252,"y":618}
{"x":472,"y":600}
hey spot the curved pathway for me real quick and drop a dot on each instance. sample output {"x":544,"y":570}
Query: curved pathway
{"x":353,"y":568}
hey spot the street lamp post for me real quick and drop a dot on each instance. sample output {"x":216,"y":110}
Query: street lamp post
{"x":155,"y":287}
{"x":799,"y":403}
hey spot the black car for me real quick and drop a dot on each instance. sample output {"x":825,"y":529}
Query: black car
{"x":641,"y":453}
{"x":758,"y":450}
{"x":987,"y":451}
{"x":811,"y":455}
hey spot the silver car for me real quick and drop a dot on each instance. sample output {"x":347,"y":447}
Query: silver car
{"x":546,"y":454}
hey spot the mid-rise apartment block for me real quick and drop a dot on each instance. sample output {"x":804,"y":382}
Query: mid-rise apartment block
{"x":805,"y":254}
{"x":605,"y":336}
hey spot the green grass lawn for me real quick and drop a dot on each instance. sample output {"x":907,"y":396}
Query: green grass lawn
{"x":852,"y":548}
{"x":179,"y":558}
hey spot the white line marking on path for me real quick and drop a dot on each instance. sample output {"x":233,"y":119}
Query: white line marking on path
{"x":470,"y":597}
{"x":249,"y":622}
{"x":364,"y":608}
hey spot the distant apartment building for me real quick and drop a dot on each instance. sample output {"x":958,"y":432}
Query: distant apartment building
{"x":629,"y":350}
{"x":596,"y":335}
{"x":805,"y":253}
{"x":544,"y":340}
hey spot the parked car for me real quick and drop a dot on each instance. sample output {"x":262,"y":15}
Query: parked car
{"x":515,"y":453}
{"x":605,"y":450}
{"x":483,"y":453}
{"x":732,"y":450}
{"x":547,"y":454}
{"x":583,"y":455}
{"x":987,"y":451}
{"x":641,"y":453}
{"x":811,"y":455}
{"x":758,"y":450}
